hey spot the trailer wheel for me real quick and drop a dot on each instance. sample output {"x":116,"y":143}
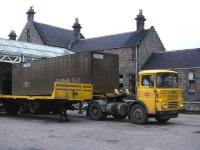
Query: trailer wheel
{"x":11,"y":108}
{"x":138,"y":114}
{"x":161,"y":119}
{"x":95,"y":112}
{"x":24,"y":108}
{"x":34,"y":108}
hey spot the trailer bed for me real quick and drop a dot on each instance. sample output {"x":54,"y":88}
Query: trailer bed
{"x":62,"y":91}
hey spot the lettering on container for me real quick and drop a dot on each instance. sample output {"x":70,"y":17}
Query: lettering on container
{"x":98,"y":56}
{"x":26,"y":84}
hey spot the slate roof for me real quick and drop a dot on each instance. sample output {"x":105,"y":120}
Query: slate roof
{"x":188,"y":58}
{"x":110,"y":42}
{"x":54,"y":36}
{"x":59,"y":37}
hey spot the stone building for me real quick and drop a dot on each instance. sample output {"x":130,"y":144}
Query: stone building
{"x":131,"y":46}
{"x":187,"y":64}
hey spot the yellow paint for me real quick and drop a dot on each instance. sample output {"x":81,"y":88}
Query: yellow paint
{"x":157,"y":99}
{"x":72,"y":91}
{"x":62,"y":91}
{"x":156,"y":71}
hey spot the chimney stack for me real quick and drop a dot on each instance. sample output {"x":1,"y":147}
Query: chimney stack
{"x":12,"y":35}
{"x":140,"y":20}
{"x":76,"y":29}
{"x":30,"y":14}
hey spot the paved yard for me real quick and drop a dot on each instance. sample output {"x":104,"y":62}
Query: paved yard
{"x":46,"y":133}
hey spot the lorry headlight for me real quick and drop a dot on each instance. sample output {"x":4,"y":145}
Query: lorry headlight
{"x":164,"y":106}
{"x":181,"y":105}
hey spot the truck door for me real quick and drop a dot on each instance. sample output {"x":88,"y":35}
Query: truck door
{"x":145,"y":91}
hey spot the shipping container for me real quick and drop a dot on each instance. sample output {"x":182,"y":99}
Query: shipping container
{"x":5,"y":78}
{"x":38,"y":77}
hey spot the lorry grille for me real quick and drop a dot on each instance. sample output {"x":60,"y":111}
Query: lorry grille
{"x":173,"y":105}
{"x":172,"y":101}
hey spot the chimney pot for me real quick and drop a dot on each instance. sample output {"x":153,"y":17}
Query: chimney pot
{"x":140,"y":20}
{"x":76,"y":29}
{"x":12,"y":35}
{"x":30,"y":14}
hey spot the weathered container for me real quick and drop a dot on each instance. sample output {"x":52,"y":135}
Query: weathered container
{"x":5,"y":78}
{"x":38,"y":77}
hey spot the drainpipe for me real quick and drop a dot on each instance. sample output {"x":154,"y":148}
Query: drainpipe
{"x":136,"y":66}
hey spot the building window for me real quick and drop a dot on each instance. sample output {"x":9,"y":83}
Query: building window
{"x":121,"y":81}
{"x":191,"y":82}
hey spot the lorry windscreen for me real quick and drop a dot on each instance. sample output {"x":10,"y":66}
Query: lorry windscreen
{"x":167,"y":80}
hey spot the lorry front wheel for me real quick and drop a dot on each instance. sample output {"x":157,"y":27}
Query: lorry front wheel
{"x":95,"y":112}
{"x":138,"y":114}
{"x":162,"y":120}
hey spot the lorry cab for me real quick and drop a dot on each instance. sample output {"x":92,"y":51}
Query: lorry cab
{"x":158,"y":96}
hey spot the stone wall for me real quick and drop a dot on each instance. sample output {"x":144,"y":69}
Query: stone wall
{"x":150,"y":44}
{"x":34,"y":36}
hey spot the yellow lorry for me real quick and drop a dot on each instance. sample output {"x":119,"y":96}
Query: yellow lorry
{"x":157,"y":96}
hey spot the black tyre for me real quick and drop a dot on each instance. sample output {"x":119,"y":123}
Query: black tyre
{"x":11,"y":108}
{"x":35,"y":108}
{"x":138,"y":114}
{"x":95,"y":112}
{"x":161,"y":119}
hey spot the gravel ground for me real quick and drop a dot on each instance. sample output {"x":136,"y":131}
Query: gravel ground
{"x":25,"y":132}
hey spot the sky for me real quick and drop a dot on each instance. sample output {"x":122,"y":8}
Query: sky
{"x":177,"y":22}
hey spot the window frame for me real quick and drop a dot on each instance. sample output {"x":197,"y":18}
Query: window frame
{"x":141,"y":80}
{"x":191,"y":81}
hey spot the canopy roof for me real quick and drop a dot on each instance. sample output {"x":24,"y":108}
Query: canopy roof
{"x":12,"y":48}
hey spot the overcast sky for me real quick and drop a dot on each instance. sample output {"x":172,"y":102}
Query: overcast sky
{"x":176,"y":21}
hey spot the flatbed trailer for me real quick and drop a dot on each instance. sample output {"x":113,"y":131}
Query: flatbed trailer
{"x":63,"y":96}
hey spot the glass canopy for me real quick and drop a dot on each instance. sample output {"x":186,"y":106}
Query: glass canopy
{"x":12,"y":48}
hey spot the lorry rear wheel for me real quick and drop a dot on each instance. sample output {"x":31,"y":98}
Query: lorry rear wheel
{"x":138,"y":114}
{"x":11,"y":108}
{"x":162,"y":120}
{"x":95,"y":112}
